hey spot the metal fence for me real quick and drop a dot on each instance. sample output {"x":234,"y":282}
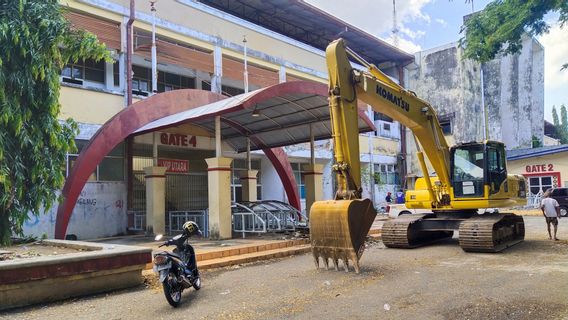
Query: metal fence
{"x":266,"y":216}
{"x":136,"y":220}
{"x":534,"y":200}
{"x":176,"y":220}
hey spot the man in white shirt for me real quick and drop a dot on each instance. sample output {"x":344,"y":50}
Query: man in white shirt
{"x":551,"y":211}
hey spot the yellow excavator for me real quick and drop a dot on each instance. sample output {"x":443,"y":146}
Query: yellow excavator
{"x":469,"y":176}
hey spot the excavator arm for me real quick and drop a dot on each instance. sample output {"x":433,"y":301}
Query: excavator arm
{"x":346,"y":86}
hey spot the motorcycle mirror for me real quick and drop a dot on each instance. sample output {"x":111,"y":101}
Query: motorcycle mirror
{"x":158,"y":237}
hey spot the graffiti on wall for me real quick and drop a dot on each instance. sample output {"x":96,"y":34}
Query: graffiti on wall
{"x":100,"y":212}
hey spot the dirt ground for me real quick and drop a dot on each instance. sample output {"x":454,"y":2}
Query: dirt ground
{"x":528,"y":281}
{"x":32,"y":250}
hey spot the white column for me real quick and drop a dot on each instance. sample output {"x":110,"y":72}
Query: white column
{"x":217,"y":70}
{"x":218,"y":146}
{"x":282,"y":74}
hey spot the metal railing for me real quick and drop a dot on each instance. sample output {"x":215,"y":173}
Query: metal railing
{"x":136,"y":220}
{"x":246,"y":220}
{"x":534,"y":200}
{"x":266,"y":216}
{"x":176,"y":220}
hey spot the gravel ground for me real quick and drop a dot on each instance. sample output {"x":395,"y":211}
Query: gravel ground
{"x":528,"y":281}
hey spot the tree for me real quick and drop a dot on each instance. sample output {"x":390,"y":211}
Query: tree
{"x":560,"y":125}
{"x":499,"y":27}
{"x":37,"y":41}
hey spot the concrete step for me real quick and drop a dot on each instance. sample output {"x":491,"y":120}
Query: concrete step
{"x":246,"y":249}
{"x":253,"y":257}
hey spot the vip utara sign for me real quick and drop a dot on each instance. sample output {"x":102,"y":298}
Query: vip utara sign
{"x":174,"y":165}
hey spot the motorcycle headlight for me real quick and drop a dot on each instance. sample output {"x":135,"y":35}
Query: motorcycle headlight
{"x":160,"y":260}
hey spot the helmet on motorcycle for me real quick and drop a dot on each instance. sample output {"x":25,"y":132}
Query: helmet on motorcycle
{"x":190,"y":228}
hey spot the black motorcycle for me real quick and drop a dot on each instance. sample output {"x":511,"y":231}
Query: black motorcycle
{"x":177,"y":269}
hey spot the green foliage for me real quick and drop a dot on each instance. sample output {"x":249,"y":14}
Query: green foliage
{"x":37,"y":42}
{"x":499,"y":27}
{"x":561,"y":125}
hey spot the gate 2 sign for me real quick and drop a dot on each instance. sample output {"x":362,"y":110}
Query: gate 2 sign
{"x":175,"y":166}
{"x":540,"y":168}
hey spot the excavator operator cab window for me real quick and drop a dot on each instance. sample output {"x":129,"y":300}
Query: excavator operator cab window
{"x":496,"y":167}
{"x":468,"y":170}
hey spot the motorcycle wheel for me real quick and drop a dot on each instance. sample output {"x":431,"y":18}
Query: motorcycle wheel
{"x":172,"y":291}
{"x":197,"y":283}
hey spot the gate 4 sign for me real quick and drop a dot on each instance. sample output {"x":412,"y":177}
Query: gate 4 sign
{"x":180,"y":140}
{"x":175,"y":166}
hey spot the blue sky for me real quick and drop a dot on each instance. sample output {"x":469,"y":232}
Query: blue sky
{"x":425,"y":24}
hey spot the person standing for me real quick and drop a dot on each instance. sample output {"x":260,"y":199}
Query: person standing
{"x":551,"y":212}
{"x":388,"y":198}
{"x":400,"y":196}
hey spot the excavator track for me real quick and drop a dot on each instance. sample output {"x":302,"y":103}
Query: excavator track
{"x":491,"y":233}
{"x":404,"y":232}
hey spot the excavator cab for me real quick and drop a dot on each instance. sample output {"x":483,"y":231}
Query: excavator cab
{"x":478,"y":170}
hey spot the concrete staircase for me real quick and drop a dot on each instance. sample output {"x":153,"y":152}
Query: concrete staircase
{"x":251,"y":253}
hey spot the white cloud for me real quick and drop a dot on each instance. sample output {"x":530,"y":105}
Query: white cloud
{"x":375,"y":16}
{"x":412,"y":34}
{"x":405,"y":45}
{"x":555,"y":55}
{"x":442,"y":22}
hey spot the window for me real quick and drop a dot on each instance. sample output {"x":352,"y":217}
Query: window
{"x":89,"y":70}
{"x":386,"y":126}
{"x":539,"y":184}
{"x":169,"y":81}
{"x":111,"y":168}
{"x":298,"y":169}
{"x":386,"y":174}
{"x":142,"y":81}
{"x":446,"y":127}
{"x":231,"y":91}
{"x":562,"y":192}
{"x":116,"y":73}
{"x":383,"y":117}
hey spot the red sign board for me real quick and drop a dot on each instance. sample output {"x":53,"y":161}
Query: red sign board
{"x":176,"y":166}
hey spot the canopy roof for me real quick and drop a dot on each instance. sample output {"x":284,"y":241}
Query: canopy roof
{"x":286,"y":112}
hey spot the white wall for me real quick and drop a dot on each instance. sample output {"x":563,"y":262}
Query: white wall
{"x":100,"y":212}
{"x":272,"y":188}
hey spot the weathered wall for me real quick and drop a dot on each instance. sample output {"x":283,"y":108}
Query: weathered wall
{"x":100,"y":212}
{"x":514,"y":94}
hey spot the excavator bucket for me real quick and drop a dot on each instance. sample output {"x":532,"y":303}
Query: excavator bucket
{"x":338,"y":229}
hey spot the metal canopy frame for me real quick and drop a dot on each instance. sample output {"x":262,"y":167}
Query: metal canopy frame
{"x":286,"y":113}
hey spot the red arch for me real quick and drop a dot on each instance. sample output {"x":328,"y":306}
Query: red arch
{"x":125,"y":123}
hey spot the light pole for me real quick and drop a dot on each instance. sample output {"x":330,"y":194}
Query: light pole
{"x":245,"y":73}
{"x":154,"y":54}
{"x":154,"y":78}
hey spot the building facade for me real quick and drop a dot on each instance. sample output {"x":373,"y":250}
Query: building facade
{"x":200,"y":46}
{"x":512,"y":91}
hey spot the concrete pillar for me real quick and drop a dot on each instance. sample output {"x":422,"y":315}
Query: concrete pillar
{"x":248,"y":182}
{"x":219,"y":183}
{"x":155,"y":200}
{"x":313,"y":184}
